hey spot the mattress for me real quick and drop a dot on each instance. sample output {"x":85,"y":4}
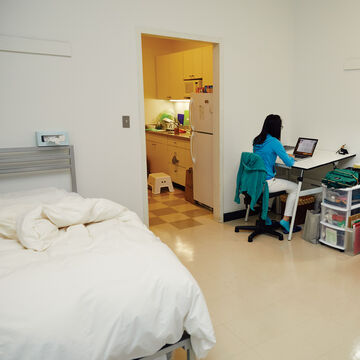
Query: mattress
{"x":104,"y":289}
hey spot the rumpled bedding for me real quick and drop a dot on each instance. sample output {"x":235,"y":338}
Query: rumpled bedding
{"x":37,"y":228}
{"x":87,"y":280}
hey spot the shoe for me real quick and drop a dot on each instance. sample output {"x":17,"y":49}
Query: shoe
{"x":296,"y":229}
{"x":286,"y":227}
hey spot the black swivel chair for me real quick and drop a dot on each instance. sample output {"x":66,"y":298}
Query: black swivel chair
{"x":260,"y":227}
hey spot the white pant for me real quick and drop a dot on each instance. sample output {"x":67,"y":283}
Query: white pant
{"x":288,"y":186}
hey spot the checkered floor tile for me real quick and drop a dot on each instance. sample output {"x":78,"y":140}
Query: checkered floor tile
{"x":173,"y":209}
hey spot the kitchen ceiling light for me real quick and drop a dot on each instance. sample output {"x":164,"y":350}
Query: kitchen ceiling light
{"x":181,"y":100}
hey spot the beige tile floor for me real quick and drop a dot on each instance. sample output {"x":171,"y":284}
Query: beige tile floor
{"x":270,"y":299}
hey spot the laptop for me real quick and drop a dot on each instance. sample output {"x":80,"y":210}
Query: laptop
{"x":305,"y":148}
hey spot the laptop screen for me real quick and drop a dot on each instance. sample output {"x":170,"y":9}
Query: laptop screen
{"x":305,"y":146}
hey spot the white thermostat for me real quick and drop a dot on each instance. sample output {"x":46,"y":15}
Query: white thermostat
{"x":52,"y":138}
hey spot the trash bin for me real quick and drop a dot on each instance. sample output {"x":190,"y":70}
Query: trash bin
{"x":305,"y":203}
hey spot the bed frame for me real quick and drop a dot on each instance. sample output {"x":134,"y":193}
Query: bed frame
{"x":167,"y":350}
{"x":54,"y":158}
{"x":38,"y":159}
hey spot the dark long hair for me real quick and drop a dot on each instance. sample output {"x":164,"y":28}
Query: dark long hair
{"x":272,"y":126}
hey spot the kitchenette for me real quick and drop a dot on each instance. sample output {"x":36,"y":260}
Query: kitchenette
{"x":178,"y":105}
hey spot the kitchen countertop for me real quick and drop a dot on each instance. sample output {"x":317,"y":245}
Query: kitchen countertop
{"x":185,"y":136}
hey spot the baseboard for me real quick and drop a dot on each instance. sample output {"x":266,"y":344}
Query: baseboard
{"x":178,"y":186}
{"x":238,"y":214}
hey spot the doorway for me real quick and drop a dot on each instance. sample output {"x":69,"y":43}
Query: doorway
{"x":172,"y":68}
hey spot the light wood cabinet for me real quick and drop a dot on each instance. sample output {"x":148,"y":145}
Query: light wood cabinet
{"x":176,"y":142}
{"x":156,"y":152}
{"x":177,"y":174}
{"x":162,"y":76}
{"x":193,"y":63}
{"x":207,"y":65}
{"x":169,"y":155}
{"x":179,"y":156}
{"x":169,"y":76}
{"x":179,"y":159}
{"x":172,"y":69}
{"x":177,"y":90}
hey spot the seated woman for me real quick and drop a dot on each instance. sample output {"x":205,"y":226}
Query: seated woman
{"x":268,"y":146}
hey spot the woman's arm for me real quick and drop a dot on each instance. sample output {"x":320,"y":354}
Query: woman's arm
{"x":282,"y":154}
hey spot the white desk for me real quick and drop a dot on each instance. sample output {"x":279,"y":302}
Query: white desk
{"x":320,"y":158}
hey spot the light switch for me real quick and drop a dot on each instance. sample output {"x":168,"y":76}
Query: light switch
{"x":126,"y":121}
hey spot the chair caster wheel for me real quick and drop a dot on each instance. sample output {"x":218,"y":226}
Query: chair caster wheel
{"x":281,"y":237}
{"x":236,"y":230}
{"x":250,"y":239}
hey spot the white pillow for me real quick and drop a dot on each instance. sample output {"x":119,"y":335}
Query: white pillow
{"x":14,"y":205}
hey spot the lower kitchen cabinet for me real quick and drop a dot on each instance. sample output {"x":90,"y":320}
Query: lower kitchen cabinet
{"x":156,"y":152}
{"x":178,"y":174}
{"x":169,"y":155}
{"x":178,"y":163}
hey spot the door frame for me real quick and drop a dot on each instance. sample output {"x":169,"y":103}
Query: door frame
{"x":218,"y":77}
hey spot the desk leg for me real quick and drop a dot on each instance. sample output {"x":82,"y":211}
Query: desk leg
{"x":300,"y":181}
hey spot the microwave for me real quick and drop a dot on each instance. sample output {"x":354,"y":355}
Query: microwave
{"x":190,"y":86}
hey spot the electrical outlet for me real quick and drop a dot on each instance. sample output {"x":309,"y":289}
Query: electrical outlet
{"x":126,"y":121}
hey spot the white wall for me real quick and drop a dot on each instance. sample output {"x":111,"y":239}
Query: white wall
{"x":87,"y":93}
{"x":326,"y":98}
{"x":258,"y":80}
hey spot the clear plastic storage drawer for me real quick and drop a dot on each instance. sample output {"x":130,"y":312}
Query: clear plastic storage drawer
{"x":336,"y":197}
{"x":333,"y":217}
{"x":339,"y":197}
{"x":332,"y":236}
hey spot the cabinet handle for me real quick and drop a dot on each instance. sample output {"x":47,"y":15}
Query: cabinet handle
{"x":174,"y":160}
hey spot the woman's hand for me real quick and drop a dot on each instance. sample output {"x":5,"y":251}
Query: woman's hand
{"x":292,"y":155}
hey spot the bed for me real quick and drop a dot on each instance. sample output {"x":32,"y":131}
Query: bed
{"x":85,"y":279}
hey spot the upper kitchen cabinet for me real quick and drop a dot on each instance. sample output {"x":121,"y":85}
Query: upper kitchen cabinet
{"x":176,"y":69}
{"x":193,"y":63}
{"x":162,"y":76}
{"x":207,"y":65}
{"x":198,"y":63}
{"x":172,"y":69}
{"x":169,"y":76}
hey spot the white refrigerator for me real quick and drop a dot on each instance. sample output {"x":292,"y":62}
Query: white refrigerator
{"x":201,"y":146}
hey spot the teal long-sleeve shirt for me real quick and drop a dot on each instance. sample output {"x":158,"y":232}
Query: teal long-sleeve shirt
{"x":251,"y":179}
{"x":269,"y":150}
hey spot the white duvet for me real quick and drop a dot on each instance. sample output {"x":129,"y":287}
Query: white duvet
{"x":105,"y":290}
